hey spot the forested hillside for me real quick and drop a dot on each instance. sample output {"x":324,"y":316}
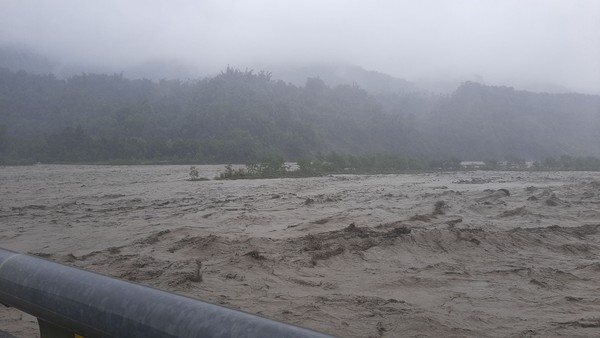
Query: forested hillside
{"x":242,"y":115}
{"x":482,"y":122}
{"x":233,"y":117}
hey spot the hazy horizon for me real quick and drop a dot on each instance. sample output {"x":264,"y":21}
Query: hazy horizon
{"x":517,"y":43}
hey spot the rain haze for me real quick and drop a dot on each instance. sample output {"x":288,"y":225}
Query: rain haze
{"x":519,"y":43}
{"x":426,"y":168}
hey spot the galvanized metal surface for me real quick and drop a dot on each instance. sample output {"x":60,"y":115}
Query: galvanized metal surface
{"x":94,"y":305}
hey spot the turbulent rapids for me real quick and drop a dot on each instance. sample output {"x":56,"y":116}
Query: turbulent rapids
{"x":456,"y":254}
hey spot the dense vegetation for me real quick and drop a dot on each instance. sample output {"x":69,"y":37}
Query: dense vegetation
{"x":570,"y":163}
{"x":243,"y":116}
{"x":234,"y":117}
{"x":333,"y":163}
{"x":481,"y":122}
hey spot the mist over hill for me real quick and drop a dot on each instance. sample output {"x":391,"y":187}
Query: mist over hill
{"x":17,"y":57}
{"x":238,"y":115}
{"x":333,"y":75}
{"x":486,"y":122}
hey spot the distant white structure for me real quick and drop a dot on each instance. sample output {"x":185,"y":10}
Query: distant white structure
{"x":516,"y":165}
{"x":472,"y":164}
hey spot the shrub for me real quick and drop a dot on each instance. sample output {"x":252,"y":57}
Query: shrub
{"x":195,"y":174}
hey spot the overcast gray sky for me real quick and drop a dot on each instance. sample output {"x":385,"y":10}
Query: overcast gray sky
{"x":503,"y":41}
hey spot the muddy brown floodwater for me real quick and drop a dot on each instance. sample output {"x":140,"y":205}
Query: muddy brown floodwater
{"x":469,"y":254}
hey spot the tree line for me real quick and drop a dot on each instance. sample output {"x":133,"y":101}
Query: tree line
{"x":239,"y":116}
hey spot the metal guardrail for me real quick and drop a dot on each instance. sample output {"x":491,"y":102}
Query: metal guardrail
{"x":71,"y":302}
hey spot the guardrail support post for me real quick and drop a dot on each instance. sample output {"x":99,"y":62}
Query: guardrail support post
{"x":48,"y":330}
